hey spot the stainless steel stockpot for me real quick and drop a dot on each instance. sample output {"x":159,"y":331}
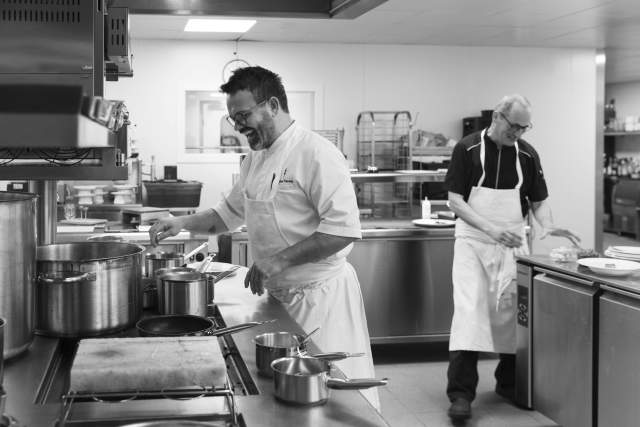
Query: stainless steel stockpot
{"x":307,"y":380}
{"x":275,"y":345}
{"x":70,"y":303}
{"x":17,"y":269}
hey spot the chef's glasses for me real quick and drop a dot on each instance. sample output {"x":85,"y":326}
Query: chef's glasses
{"x":515,"y":126}
{"x":240,"y":118}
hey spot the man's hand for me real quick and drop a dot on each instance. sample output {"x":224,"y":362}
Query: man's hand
{"x":260,"y":272}
{"x":164,"y":228}
{"x":562,"y":232}
{"x":505,"y":237}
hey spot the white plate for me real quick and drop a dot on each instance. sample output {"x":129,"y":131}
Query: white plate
{"x":431,"y":222}
{"x":618,"y":255}
{"x":626,"y":250}
{"x":83,"y":221}
{"x":85,"y":187}
{"x":610,"y":266}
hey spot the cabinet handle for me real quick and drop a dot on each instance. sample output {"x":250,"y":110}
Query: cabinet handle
{"x":620,"y":292}
{"x":567,"y":277}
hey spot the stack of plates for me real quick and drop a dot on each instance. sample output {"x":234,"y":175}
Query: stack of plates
{"x":631,"y":253}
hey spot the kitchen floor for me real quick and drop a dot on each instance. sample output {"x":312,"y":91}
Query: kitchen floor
{"x":415,"y":395}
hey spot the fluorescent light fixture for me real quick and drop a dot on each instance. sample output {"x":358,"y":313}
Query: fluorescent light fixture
{"x":219,"y":25}
{"x":601,"y":59}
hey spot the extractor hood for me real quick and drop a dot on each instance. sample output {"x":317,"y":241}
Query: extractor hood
{"x":317,"y":9}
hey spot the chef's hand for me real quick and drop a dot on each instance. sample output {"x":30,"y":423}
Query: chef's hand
{"x":505,"y":237}
{"x":164,"y":228}
{"x":562,"y":232}
{"x":259,"y":273}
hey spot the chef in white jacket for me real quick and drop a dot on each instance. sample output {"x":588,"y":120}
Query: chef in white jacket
{"x":494,"y":179}
{"x":296,"y":198}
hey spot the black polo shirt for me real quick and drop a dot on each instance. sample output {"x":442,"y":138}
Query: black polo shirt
{"x":465,"y":169}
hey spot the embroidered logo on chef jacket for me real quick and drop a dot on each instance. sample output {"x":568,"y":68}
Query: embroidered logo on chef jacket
{"x":284,"y":178}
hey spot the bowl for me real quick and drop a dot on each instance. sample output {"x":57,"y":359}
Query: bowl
{"x":610,"y":266}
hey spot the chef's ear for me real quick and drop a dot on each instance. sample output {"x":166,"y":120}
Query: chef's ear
{"x":274,"y":105}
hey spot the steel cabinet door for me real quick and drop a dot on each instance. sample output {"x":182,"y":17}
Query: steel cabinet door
{"x":563,"y":349}
{"x":619,"y":352}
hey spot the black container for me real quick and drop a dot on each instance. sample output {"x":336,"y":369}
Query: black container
{"x":180,"y":194}
{"x":170,"y":173}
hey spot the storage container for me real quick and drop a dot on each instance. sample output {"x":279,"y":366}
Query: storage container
{"x":180,"y":194}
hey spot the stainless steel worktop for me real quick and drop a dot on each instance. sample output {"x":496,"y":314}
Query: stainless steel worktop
{"x":24,"y":375}
{"x":629,"y":283}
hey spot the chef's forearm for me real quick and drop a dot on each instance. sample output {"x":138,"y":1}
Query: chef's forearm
{"x":542,"y":213}
{"x":207,"y":221}
{"x":464,"y":211}
{"x":314,"y":248}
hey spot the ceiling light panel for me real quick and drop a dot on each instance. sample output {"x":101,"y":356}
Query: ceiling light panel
{"x":219,"y":25}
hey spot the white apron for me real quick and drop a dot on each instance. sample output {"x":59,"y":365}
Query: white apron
{"x":484,"y":271}
{"x":328,"y":297}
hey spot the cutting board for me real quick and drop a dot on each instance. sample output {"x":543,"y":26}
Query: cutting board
{"x":147,"y":364}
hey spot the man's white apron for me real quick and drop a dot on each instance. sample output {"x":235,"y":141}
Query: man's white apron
{"x":484,"y":271}
{"x":325,"y":296}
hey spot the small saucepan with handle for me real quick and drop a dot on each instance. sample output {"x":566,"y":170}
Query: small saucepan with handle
{"x":274,"y":345}
{"x":306,"y":381}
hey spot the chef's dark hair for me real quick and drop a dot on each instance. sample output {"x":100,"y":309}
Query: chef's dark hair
{"x":262,"y":83}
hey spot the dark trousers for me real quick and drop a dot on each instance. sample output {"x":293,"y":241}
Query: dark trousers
{"x":462,"y":374}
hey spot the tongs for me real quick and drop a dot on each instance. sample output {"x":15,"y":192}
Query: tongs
{"x":225,"y":273}
{"x":237,"y":328}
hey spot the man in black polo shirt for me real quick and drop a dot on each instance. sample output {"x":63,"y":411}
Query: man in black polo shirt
{"x":493,"y":180}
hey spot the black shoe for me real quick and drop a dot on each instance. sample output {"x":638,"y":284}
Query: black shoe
{"x":508,"y":393}
{"x":460,"y":409}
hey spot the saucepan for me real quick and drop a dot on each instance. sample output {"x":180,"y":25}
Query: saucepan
{"x":159,"y":260}
{"x":274,"y":345}
{"x":307,"y":381}
{"x":177,"y":325}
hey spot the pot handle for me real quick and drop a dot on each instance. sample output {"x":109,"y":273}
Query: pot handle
{"x":70,"y":278}
{"x":338,"y":355}
{"x":356,"y":383}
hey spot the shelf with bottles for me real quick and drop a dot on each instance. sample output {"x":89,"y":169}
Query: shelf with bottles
{"x":626,"y":167}
{"x":621,"y":133}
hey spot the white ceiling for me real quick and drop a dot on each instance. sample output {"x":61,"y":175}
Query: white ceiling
{"x":613,"y":25}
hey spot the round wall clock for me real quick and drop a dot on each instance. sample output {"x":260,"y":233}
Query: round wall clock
{"x":231,"y":66}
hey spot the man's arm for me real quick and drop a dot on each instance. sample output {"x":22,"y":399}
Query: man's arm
{"x":313,"y":248}
{"x":207,"y":221}
{"x":542,"y":213}
{"x":464,"y":211}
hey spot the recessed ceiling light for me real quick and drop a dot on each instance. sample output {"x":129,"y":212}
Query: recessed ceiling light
{"x":219,"y":25}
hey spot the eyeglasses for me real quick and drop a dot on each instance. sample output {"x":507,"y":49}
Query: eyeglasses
{"x":241,"y":117}
{"x":515,"y":126}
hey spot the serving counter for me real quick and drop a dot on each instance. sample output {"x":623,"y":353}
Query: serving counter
{"x":33,"y":395}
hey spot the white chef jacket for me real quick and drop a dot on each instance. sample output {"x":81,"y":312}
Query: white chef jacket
{"x":313,"y":192}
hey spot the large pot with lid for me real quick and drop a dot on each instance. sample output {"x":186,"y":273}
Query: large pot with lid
{"x":88,"y":288}
{"x":17,"y":269}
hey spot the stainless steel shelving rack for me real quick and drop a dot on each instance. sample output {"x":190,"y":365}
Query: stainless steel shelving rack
{"x":384,"y":144}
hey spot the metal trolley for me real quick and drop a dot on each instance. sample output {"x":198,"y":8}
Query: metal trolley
{"x":384,"y":143}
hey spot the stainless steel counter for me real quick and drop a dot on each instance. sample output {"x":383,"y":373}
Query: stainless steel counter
{"x":405,"y":276}
{"x":26,"y":401}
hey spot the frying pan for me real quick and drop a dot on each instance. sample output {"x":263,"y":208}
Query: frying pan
{"x":176,"y":325}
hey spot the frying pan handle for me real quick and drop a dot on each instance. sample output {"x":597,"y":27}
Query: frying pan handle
{"x":356,"y":383}
{"x":236,"y":328}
